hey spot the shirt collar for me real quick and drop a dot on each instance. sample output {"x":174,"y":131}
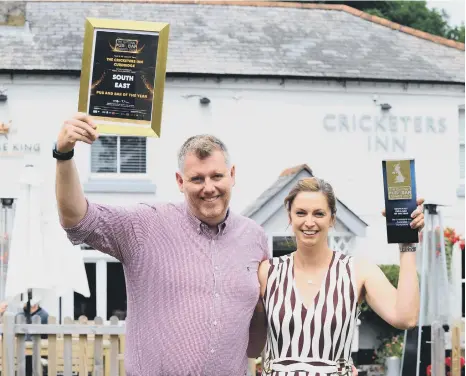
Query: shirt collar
{"x":200,"y":226}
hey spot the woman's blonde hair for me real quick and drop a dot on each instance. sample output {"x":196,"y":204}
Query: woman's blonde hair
{"x":312,"y":185}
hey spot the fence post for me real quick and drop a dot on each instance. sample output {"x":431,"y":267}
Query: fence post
{"x":83,"y":348}
{"x":98,"y":351}
{"x":21,"y":347}
{"x":52,"y":350}
{"x":68,"y":350}
{"x":9,"y":344}
{"x":437,"y":349}
{"x":114,"y":349}
{"x":36,"y":350}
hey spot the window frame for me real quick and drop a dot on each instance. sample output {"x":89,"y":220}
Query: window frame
{"x":118,"y":174}
{"x":92,"y":256}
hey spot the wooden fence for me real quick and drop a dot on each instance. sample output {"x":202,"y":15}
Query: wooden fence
{"x":73,"y":348}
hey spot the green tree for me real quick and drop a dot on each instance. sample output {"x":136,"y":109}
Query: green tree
{"x":414,"y":14}
{"x":456,"y":33}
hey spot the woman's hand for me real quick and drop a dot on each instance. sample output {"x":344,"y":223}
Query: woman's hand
{"x":417,"y":215}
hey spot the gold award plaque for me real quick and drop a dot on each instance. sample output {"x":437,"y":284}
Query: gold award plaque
{"x":399,"y":180}
{"x":123,"y":75}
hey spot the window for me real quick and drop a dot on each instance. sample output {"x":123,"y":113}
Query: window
{"x":119,"y":155}
{"x":461,"y":133}
{"x":284,"y":245}
{"x":116,"y":291}
{"x":87,"y":306}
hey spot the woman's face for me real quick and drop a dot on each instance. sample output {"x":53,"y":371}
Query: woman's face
{"x":310,"y":218}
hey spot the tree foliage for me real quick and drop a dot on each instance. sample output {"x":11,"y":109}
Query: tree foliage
{"x":414,"y":14}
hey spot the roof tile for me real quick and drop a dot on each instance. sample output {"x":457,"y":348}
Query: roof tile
{"x":242,"y":38}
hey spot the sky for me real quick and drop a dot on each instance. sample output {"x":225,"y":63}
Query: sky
{"x":455,"y":9}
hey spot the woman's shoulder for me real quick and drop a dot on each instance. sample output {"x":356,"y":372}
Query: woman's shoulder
{"x":345,"y":258}
{"x":359,"y":266}
{"x":272,"y":262}
{"x":277,"y":260}
{"x":280,"y":259}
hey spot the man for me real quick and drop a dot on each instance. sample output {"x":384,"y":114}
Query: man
{"x":35,"y":310}
{"x":191,"y":268}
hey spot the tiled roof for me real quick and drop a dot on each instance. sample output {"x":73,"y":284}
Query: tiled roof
{"x":285,"y":177}
{"x":239,"y":38}
{"x":295,"y":170}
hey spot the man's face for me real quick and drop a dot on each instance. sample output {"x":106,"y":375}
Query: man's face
{"x":207,"y":186}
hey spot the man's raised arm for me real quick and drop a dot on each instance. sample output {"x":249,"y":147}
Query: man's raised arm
{"x":72,"y":205}
{"x":110,"y":229}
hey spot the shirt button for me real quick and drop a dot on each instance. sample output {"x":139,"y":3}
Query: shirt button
{"x":216,"y":268}
{"x":215,"y":323}
{"x":212,"y":351}
{"x":217,"y":295}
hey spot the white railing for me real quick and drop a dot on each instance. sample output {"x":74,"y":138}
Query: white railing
{"x":342,"y":242}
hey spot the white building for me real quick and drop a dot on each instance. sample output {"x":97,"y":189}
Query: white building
{"x":311,"y":89}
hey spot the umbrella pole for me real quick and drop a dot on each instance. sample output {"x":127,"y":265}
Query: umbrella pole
{"x":7,"y":203}
{"x":28,"y":307}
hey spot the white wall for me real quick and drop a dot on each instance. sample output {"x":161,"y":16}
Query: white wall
{"x":269,"y":125}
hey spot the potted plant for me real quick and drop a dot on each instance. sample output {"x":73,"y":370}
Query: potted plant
{"x":450,"y":239}
{"x":389,"y":354}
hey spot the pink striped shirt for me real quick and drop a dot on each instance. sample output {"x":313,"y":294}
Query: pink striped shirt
{"x":191,"y":294}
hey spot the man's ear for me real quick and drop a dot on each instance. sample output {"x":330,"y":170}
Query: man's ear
{"x":233,"y":174}
{"x":179,"y":181}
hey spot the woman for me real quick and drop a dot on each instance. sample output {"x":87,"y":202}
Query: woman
{"x":311,"y":296}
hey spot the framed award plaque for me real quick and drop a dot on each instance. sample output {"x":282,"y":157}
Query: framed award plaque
{"x":123,"y":76}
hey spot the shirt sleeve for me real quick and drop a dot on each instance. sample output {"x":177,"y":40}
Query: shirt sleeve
{"x":264,"y":245}
{"x":113,"y":230}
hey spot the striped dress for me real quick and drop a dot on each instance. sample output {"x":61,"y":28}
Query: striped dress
{"x":314,"y":340}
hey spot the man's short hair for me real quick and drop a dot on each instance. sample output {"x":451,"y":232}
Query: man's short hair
{"x":202,"y":146}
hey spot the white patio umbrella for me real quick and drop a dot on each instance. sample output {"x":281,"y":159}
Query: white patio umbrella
{"x":41,"y":256}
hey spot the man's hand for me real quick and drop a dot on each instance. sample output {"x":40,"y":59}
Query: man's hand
{"x":417,"y":215}
{"x":79,"y":128}
{"x":355,"y":371}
